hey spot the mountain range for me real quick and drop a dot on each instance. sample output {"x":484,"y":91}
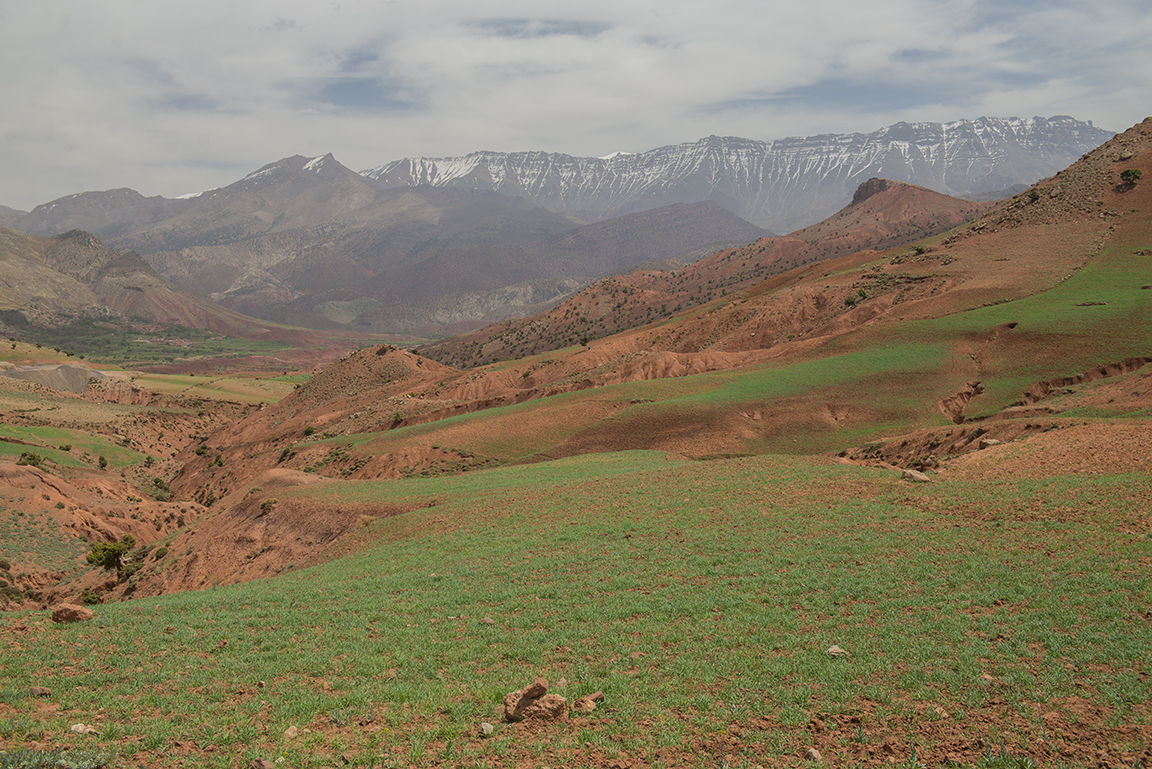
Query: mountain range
{"x":426,"y":248}
{"x":779,"y":185}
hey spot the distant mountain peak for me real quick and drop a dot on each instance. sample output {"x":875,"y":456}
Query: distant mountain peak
{"x":317,"y":163}
{"x":779,"y":185}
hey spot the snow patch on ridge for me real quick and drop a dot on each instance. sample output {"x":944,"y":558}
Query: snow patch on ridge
{"x":780,"y":185}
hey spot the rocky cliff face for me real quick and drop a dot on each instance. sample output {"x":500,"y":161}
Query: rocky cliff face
{"x":779,"y":185}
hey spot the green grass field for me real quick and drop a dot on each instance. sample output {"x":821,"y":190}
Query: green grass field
{"x":48,"y":442}
{"x":116,"y":341}
{"x":700,"y":598}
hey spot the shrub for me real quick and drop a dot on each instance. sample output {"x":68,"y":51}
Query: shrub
{"x":103,"y":462}
{"x":1131,"y":175}
{"x":309,"y":430}
{"x":109,"y":555}
{"x":30,"y":458}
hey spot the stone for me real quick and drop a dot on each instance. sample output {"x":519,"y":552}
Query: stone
{"x":487,"y":621}
{"x":291,"y":732}
{"x":536,"y":689}
{"x":550,"y":707}
{"x":67,"y":612}
{"x":836,"y":651}
{"x":261,"y":763}
{"x":40,"y":691}
{"x":587,"y":703}
{"x":83,"y":728}
{"x":988,"y":443}
{"x":487,"y":728}
{"x":915,"y":476}
{"x":812,"y":754}
{"x":533,"y":701}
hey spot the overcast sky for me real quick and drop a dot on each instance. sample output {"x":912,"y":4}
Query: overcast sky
{"x":171,"y":97}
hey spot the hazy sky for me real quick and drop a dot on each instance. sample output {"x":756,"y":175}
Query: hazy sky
{"x":171,"y":97}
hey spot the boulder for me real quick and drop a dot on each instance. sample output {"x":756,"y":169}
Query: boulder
{"x":550,"y":707}
{"x":533,"y":701}
{"x":915,"y":476}
{"x":67,"y":612}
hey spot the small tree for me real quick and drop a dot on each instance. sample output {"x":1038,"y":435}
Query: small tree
{"x":109,"y":555}
{"x":1131,"y":175}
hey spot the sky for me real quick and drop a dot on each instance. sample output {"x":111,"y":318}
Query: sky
{"x":169,"y":97}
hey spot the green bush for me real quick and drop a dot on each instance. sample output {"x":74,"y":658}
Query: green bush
{"x":30,"y":458}
{"x":160,"y":491}
{"x":109,"y":555}
{"x":1131,"y":175}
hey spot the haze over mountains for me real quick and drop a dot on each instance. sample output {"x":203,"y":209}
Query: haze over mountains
{"x":429,"y":247}
{"x":780,"y":185}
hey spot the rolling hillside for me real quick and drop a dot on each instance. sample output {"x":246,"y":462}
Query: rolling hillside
{"x":883,"y":214}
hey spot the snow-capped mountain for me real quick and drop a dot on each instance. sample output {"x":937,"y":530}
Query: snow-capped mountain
{"x":779,"y":185}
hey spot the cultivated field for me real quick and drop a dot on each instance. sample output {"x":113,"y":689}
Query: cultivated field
{"x":986,"y":621}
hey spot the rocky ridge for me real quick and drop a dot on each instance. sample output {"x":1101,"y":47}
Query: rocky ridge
{"x":779,"y":185}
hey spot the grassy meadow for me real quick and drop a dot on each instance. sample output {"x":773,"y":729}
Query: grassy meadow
{"x":700,"y":598}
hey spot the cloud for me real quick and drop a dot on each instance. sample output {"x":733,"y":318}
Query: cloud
{"x":364,"y":94}
{"x":282,"y":25}
{"x":168,"y":98}
{"x":523,"y":28}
